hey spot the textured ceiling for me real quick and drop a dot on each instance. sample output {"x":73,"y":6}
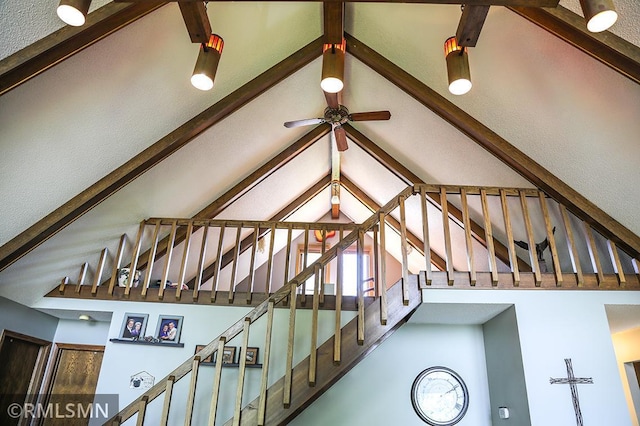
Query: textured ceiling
{"x":70,"y":126}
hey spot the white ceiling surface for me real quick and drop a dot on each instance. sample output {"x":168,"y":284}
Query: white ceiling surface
{"x":72,"y":125}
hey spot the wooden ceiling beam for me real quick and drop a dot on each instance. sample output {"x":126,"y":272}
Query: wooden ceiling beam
{"x":196,"y":20}
{"x":470,"y":25}
{"x":333,"y":22}
{"x":67,"y":41}
{"x":499,"y":147}
{"x":606,"y":47}
{"x":524,"y":3}
{"x":108,"y":185}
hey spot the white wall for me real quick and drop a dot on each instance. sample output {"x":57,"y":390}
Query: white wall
{"x":21,"y":319}
{"x":554,"y":325}
{"x":82,"y":332}
{"x":628,"y":350}
{"x":377,"y":391}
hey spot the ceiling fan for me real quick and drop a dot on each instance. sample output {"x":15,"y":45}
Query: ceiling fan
{"x":337,"y":115}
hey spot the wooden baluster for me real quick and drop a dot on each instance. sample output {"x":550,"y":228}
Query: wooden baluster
{"x":151,"y":259}
{"x":191,"y":397}
{"x":201,"y":261}
{"x":513,"y":256}
{"x":466,"y":223}
{"x":313,"y":356}
{"x":272,"y":241}
{"x":234,"y":266}
{"x":573,"y":250}
{"x":552,"y":241}
{"x":404,"y":249}
{"x":305,"y":258}
{"x":142,"y":409}
{"x":425,"y":236}
{"x":252,"y":263}
{"x":168,"y":392}
{"x":288,"y":375}
{"x":593,"y":253}
{"x":262,"y":404}
{"x":216,"y":273}
{"x":324,"y":268}
{"x":241,"y":369}
{"x":615,"y":260}
{"x":383,"y":271}
{"x":99,"y":269}
{"x":488,"y":231}
{"x":447,"y":234}
{"x":81,"y":276}
{"x":167,"y":264}
{"x":359,"y":284}
{"x":134,"y":259}
{"x":287,"y":256}
{"x":116,"y":421}
{"x":533,"y":256}
{"x":636,"y":267}
{"x":376,"y":263}
{"x":337,"y":341}
{"x":185,"y":259}
{"x":216,"y":383}
{"x":116,"y":264}
{"x":63,"y":283}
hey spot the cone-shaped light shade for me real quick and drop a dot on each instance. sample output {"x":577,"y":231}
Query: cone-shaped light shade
{"x":599,"y":14}
{"x":333,"y":67}
{"x":457,"y":67}
{"x":73,"y":12}
{"x":207,"y":64}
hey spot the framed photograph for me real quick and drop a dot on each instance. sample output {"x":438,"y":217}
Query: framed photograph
{"x":208,"y":359}
{"x":133,"y":326}
{"x":168,"y":329}
{"x":252,"y":356}
{"x":229,"y":355}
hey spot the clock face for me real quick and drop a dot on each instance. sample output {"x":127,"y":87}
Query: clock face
{"x":440,"y":396}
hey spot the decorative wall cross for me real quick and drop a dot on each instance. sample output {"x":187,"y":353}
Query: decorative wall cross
{"x":572,"y":381}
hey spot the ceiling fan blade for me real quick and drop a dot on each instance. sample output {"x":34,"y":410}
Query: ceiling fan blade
{"x":333,"y":99}
{"x":307,"y":122}
{"x":372,"y":115}
{"x":341,"y":138}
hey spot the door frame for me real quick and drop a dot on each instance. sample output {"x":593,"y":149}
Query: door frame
{"x":55,"y":357}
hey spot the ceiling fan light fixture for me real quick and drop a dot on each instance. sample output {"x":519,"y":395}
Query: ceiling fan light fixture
{"x":457,"y":67}
{"x":333,"y":67}
{"x":207,"y":64}
{"x":73,"y":12}
{"x":599,"y":14}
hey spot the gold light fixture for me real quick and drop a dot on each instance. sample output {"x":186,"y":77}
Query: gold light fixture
{"x":73,"y":12}
{"x":333,"y":67}
{"x":457,"y":67}
{"x":207,"y":63}
{"x":599,"y":14}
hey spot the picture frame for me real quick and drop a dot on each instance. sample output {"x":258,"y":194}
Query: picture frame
{"x":228,"y":355}
{"x":207,"y":360}
{"x":251,"y":357}
{"x":133,"y":326}
{"x":168,"y":329}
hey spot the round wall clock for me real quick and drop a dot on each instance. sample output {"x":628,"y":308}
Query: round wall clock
{"x":440,"y":396}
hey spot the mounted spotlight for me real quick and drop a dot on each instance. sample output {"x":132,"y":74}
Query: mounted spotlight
{"x":457,"y":67}
{"x":333,"y":67}
{"x":599,"y":14}
{"x":73,"y":12}
{"x":207,"y":63}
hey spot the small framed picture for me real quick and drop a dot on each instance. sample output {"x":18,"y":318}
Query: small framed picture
{"x":133,"y":326}
{"x":229,"y":355}
{"x":168,"y":329}
{"x":251,"y":357}
{"x":208,"y":359}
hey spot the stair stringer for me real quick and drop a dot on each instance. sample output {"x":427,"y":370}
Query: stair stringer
{"x":328,"y":373}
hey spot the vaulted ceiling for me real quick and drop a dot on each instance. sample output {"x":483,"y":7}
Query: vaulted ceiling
{"x":114,"y":132}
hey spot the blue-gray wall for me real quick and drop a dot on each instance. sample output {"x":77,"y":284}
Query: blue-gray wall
{"x":24,"y":320}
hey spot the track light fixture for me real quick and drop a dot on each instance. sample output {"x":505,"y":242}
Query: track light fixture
{"x":599,"y":14}
{"x":207,"y":63}
{"x":73,"y":12}
{"x":333,"y":67}
{"x":457,"y":67}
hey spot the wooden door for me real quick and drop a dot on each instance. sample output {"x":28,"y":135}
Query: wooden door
{"x":75,"y":370}
{"x":22,"y":361}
